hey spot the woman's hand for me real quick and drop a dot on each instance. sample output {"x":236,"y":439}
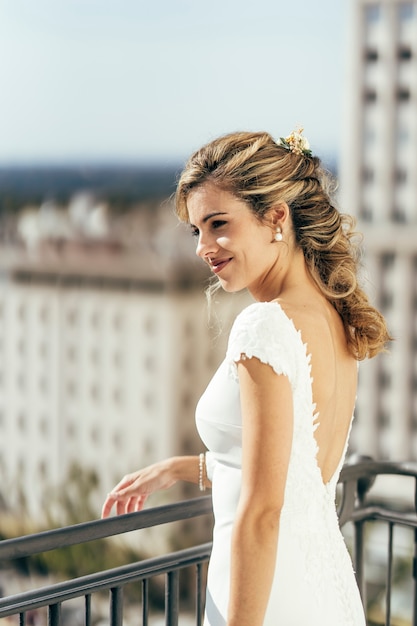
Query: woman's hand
{"x":131,"y":492}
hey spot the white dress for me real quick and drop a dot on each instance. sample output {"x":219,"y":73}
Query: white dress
{"x":314,"y":582}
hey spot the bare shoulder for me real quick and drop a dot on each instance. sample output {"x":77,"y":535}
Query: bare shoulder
{"x":319,"y":323}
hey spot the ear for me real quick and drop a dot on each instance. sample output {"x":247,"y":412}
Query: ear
{"x":278,"y":214}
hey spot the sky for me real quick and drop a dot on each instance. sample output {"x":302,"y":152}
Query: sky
{"x":151,"y":81}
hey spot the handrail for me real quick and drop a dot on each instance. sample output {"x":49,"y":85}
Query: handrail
{"x":358,"y":475}
{"x":99,"y":529}
{"x":365,"y":466}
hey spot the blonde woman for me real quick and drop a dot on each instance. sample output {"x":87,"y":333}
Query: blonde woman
{"x":276,"y":416}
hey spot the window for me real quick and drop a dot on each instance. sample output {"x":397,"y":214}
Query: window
{"x":366,"y":214}
{"x":95,"y":393}
{"x":150,"y":325}
{"x":43,"y":350}
{"x":372,"y":13}
{"x":43,"y":385}
{"x":403,"y":94}
{"x":21,"y":347}
{"x":44,"y":426}
{"x":42,"y":469}
{"x":387,"y":260}
{"x":398,"y":216}
{"x":403,"y":135}
{"x":371,"y":55}
{"x":369,"y":136}
{"x":400,"y":175}
{"x":117,"y":359}
{"x":370,"y":95}
{"x":95,"y":320}
{"x":406,"y":11}
{"x":117,"y":321}
{"x":368,"y":174}
{"x":383,"y":418}
{"x":72,"y":317}
{"x":404,"y":53}
{"x":21,"y":422}
{"x":384,"y":379}
{"x":71,"y":388}
{"x":44,"y":314}
{"x":117,"y":396}
{"x":95,"y":434}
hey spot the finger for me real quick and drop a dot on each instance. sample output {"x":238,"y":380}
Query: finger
{"x":107,"y":506}
{"x":140,"y":502}
{"x":131,"y":505}
{"x":121,"y":507}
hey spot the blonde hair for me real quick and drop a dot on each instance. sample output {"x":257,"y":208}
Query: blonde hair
{"x":257,"y":170}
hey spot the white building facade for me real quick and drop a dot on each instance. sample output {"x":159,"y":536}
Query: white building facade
{"x":102,"y":367}
{"x":379,"y":185}
{"x":104,"y":377}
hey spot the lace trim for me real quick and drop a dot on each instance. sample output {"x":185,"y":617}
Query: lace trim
{"x":264,"y":331}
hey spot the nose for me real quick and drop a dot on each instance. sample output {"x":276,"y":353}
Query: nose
{"x":206,"y":246}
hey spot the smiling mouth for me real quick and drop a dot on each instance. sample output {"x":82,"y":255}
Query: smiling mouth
{"x":217,"y":266}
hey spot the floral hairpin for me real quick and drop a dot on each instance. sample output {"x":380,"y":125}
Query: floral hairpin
{"x":296,"y":143}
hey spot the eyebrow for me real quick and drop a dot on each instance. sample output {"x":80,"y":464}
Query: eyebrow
{"x":209,"y":216}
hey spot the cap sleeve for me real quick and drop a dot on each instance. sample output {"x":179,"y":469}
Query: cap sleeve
{"x":264,"y":331}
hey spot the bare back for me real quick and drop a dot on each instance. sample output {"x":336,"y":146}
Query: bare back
{"x":334,"y":374}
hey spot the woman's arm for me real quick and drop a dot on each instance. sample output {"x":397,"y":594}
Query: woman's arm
{"x":131,"y":492}
{"x":267,"y":414}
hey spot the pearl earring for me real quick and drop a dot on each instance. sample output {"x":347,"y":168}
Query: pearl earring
{"x":278,"y":235}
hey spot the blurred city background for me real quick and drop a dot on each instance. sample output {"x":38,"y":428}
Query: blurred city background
{"x":105,"y":339}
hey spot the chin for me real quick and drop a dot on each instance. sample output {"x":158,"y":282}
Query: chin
{"x":230,"y":287}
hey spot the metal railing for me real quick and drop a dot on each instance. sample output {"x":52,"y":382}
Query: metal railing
{"x":359,"y":507}
{"x":114,"y":580}
{"x":356,"y":506}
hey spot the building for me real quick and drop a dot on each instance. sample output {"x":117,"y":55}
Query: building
{"x":104,"y":355}
{"x":379,"y":185}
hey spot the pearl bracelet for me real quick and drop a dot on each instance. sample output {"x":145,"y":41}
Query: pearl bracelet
{"x":201,"y":464}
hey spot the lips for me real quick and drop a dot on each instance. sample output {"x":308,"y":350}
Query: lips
{"x":218,"y":264}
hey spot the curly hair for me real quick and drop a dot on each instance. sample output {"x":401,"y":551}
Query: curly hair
{"x":256,"y":169}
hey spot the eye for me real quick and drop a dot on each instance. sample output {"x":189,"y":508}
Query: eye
{"x":194,"y":231}
{"x":218,"y":223}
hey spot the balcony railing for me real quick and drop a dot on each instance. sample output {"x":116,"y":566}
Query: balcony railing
{"x":356,"y":507}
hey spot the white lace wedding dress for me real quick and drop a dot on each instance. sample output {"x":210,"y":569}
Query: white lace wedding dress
{"x":314,"y":582}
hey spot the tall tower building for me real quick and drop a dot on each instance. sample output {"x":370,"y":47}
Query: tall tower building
{"x":379,"y":185}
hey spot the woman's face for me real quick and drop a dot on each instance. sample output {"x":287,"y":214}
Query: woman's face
{"x":238,"y":247}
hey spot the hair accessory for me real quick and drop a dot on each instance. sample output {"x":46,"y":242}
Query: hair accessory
{"x":278,"y":235}
{"x":296,"y":143}
{"x":201,"y":465}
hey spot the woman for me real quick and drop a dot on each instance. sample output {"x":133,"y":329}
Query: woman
{"x":277,"y":414}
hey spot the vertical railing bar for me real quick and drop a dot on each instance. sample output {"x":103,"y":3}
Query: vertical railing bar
{"x":145,"y":601}
{"x":171,"y":598}
{"x":54,"y":614}
{"x":22,"y":619}
{"x":389,"y":575}
{"x":358,"y":559}
{"x":415,"y":578}
{"x":116,"y":606}
{"x":199,"y":595}
{"x":87,"y":614}
{"x":415,"y":562}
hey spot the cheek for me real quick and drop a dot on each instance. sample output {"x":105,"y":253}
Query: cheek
{"x":224,"y":242}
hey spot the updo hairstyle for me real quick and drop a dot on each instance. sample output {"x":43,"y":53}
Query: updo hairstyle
{"x":262,"y":173}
